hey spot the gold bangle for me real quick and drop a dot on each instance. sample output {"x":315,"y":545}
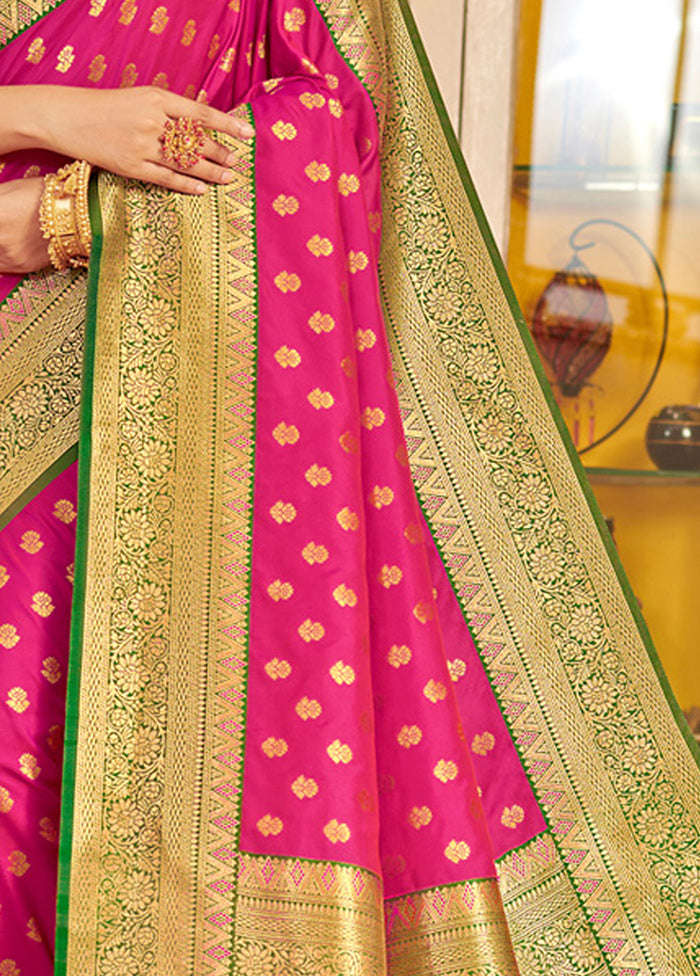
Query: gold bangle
{"x":64,"y":217}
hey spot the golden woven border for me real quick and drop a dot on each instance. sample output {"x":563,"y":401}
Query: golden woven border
{"x":17,"y":15}
{"x":40,"y":377}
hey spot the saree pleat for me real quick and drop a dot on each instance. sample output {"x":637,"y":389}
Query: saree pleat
{"x":357,"y":685}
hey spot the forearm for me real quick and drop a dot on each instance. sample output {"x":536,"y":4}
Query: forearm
{"x":22,"y":112}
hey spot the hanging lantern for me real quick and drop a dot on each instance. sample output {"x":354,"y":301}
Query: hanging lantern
{"x":572,"y":326}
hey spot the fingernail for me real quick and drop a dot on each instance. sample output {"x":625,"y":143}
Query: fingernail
{"x":226,"y":177}
{"x":230,"y":159}
{"x":247,"y":131}
{"x":201,"y":188}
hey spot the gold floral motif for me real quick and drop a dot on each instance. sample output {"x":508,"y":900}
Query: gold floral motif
{"x":159,"y":20}
{"x":399,"y":655}
{"x":129,"y":75}
{"x":446,"y":770}
{"x":54,"y":739}
{"x":321,"y":399}
{"x":318,"y":172}
{"x":332,"y":81}
{"x":420,"y":817}
{"x":286,"y":433}
{"x":285,"y":205}
{"x":288,"y":282}
{"x":31,"y":542}
{"x":342,"y":674}
{"x":308,"y":708}
{"x":8,"y":636}
{"x":482,"y":745}
{"x":29,"y":766}
{"x":348,"y":183}
{"x":287,"y":358}
{"x":97,"y":68}
{"x":33,"y":932}
{"x":435,"y":691}
{"x":127,"y":12}
{"x":270,"y":84}
{"x":322,"y":322}
{"x":42,"y":604}
{"x":294,"y":19}
{"x":189,"y":32}
{"x":424,"y":611}
{"x":6,"y":801}
{"x":270,"y":826}
{"x":314,"y":553}
{"x":348,"y":520}
{"x":512,"y":816}
{"x":337,"y":832}
{"x":349,"y":443}
{"x":339,"y":752}
{"x":275,"y":748}
{"x":320,"y":246}
{"x":318,"y":476}
{"x":18,"y":700}
{"x":278,"y":669}
{"x":51,"y":670}
{"x":389,"y":576}
{"x":214,"y":46}
{"x":280,"y":591}
{"x":457,"y":669}
{"x":409,"y":736}
{"x":304,"y":789}
{"x":344,"y":596}
{"x":357,"y":261}
{"x":65,"y":59}
{"x":36,"y":50}
{"x":312,"y":100}
{"x":372,"y":417}
{"x":48,"y":830}
{"x":96,"y":7}
{"x":17,"y":863}
{"x":335,"y":107}
{"x":283,"y":512}
{"x":413,"y":533}
{"x":381,"y":496}
{"x":161,"y":81}
{"x":374,"y":222}
{"x":261,"y":49}
{"x":312,"y":631}
{"x":457,"y":851}
{"x":228,"y":60}
{"x":31,"y":172}
{"x":365,"y":339}
{"x":284,"y":130}
{"x":4,"y":576}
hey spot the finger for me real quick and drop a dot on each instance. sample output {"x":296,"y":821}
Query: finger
{"x":217,"y":153}
{"x":210,"y":117}
{"x":172,"y":179}
{"x":210,"y":172}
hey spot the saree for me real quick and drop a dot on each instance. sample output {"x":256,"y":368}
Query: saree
{"x":355,"y":684}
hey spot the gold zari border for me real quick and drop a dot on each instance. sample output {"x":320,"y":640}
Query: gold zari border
{"x":40,"y":378}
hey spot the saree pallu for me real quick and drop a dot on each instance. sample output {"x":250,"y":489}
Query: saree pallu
{"x":356,"y":686}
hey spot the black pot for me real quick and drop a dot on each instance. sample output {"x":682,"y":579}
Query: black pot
{"x":673,"y":438}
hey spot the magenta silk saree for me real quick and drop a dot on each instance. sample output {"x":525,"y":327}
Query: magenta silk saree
{"x":354,"y":683}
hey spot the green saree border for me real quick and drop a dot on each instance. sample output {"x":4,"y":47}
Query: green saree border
{"x":34,"y":11}
{"x":77,"y":616}
{"x":538,"y":369}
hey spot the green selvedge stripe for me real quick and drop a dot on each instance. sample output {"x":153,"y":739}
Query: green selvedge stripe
{"x":538,"y":369}
{"x":78,"y":612}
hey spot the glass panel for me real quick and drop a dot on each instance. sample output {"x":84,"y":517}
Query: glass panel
{"x":605,"y":215}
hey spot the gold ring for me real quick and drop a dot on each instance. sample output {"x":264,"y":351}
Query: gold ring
{"x":183,"y":141}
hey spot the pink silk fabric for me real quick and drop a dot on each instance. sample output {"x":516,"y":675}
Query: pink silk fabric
{"x":373,"y":736}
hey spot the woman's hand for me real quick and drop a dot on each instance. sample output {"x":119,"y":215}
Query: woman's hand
{"x":120,"y":129}
{"x":22,"y":247}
